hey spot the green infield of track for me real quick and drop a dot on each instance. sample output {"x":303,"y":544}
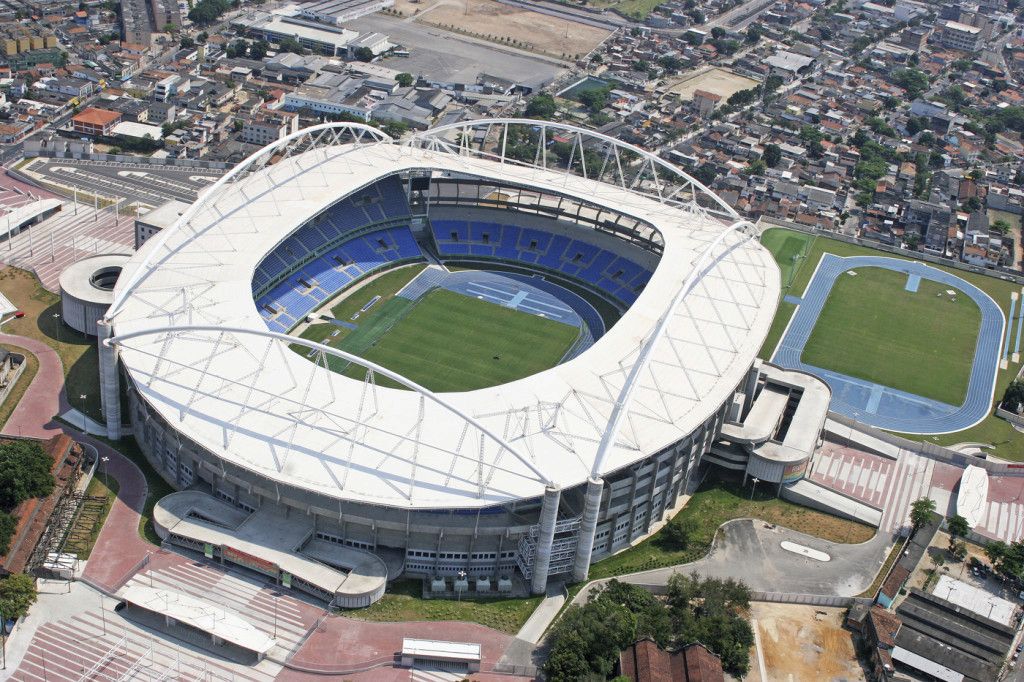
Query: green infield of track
{"x":873,"y":328}
{"x":451,"y":342}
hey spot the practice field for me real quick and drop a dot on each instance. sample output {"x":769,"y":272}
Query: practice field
{"x":494,"y":21}
{"x":717,"y":80}
{"x":450,"y":342}
{"x":874,"y":329}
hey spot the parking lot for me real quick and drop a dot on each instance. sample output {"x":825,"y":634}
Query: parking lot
{"x":449,"y":57}
{"x":137,"y":183}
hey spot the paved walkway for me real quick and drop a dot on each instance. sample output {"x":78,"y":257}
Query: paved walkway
{"x":119,"y":547}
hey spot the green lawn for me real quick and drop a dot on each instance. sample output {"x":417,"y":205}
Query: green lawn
{"x":790,"y":249}
{"x":451,"y":342}
{"x":1008,"y":442}
{"x":721,"y":499}
{"x":385,"y":285}
{"x":922,"y":342}
{"x":404,"y":602}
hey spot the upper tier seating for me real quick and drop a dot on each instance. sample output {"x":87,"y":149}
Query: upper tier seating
{"x":616,"y":275}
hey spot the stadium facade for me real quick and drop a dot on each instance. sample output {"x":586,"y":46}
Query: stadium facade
{"x":291,"y":466}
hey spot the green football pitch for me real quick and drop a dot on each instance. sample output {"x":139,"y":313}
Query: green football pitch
{"x":450,"y":342}
{"x":872,"y":328}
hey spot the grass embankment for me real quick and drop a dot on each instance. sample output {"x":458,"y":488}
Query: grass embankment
{"x":715,"y":502}
{"x":404,"y":602}
{"x":42,"y":322}
{"x":784,"y":244}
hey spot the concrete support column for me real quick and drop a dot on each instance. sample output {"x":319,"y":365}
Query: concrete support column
{"x":588,"y":529}
{"x":545,"y":538}
{"x":110,"y":384}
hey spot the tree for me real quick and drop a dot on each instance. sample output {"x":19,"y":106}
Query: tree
{"x":258,"y":50}
{"x":24,"y":473}
{"x":542,"y":106}
{"x":595,"y":99}
{"x":914,"y":81}
{"x":1001,"y":226}
{"x":677,"y":534}
{"x":364,"y":54}
{"x":958,"y":548}
{"x":921,"y":511}
{"x":996,"y":550}
{"x":771,"y":84}
{"x":717,"y":32}
{"x":404,"y":79}
{"x":957,"y":527}
{"x":1014,"y":395}
{"x":710,"y":611}
{"x":186,"y":43}
{"x":290,"y":44}
{"x":237,"y":48}
{"x":754,"y":34}
{"x":705,"y":174}
{"x":772,"y":155}
{"x":8,"y":524}
{"x":972,"y":204}
{"x":17,"y":594}
{"x":755,"y":167}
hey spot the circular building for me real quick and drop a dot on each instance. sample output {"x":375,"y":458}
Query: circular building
{"x":87,"y":290}
{"x":523,"y":478}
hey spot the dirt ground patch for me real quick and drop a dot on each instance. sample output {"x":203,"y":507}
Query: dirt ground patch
{"x":719,"y":81}
{"x":803,"y":643}
{"x":506,"y":24}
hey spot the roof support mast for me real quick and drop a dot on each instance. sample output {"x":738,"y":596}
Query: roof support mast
{"x":588,"y":528}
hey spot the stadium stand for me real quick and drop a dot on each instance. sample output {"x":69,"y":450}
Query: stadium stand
{"x":615,"y":275}
{"x":333,"y":250}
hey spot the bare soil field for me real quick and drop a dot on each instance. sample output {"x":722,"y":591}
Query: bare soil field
{"x":719,"y":81}
{"x":803,"y":643}
{"x":505,"y":24}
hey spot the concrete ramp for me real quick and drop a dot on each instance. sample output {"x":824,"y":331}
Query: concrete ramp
{"x":811,"y":494}
{"x":840,"y":433}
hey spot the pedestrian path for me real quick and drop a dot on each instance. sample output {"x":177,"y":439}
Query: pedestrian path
{"x":102,"y":645}
{"x":1003,"y":521}
{"x":274,"y":612}
{"x":67,"y":237}
{"x":891,"y":486}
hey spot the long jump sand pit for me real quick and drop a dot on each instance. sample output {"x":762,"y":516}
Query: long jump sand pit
{"x":803,"y":643}
{"x":716,"y":80}
{"x":500,"y":23}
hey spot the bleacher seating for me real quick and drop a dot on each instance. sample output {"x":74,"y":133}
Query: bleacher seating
{"x":307,"y":288}
{"x":330,"y":261}
{"x":618,"y":276}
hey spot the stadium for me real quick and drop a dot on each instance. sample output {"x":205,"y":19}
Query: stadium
{"x":498,"y":351}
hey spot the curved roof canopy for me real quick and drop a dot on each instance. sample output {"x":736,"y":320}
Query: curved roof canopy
{"x":247,"y":398}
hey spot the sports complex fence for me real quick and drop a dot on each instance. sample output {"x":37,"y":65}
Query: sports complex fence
{"x":998,"y":272}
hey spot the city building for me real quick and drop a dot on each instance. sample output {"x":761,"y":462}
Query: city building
{"x":95,"y":122}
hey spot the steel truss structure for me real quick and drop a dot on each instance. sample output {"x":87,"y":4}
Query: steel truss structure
{"x":198,"y":354}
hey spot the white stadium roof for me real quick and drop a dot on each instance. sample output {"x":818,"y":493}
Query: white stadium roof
{"x":258,"y":405}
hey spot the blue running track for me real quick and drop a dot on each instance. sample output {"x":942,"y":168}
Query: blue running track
{"x":881,"y":406}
